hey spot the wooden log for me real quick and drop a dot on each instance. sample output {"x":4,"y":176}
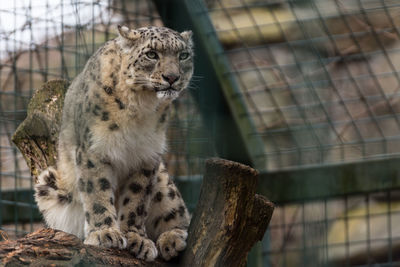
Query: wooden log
{"x":49,"y":247}
{"x":228,"y":220}
{"x":229,"y":217}
{"x":37,"y":136}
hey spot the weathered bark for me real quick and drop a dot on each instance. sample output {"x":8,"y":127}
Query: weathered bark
{"x":37,"y":136}
{"x":229,"y":217}
{"x":48,"y":247}
{"x":227,"y":222}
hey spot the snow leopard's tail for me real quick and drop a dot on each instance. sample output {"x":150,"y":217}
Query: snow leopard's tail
{"x":57,"y":205}
{"x":47,"y":190}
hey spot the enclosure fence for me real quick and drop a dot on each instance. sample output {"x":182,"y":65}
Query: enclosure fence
{"x":306,"y":91}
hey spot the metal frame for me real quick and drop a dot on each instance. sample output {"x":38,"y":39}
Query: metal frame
{"x":219,"y":102}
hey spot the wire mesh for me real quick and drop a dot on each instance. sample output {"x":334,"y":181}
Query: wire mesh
{"x":355,"y":230}
{"x":44,"y":40}
{"x":320,"y":80}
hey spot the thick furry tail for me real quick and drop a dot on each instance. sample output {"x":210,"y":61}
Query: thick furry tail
{"x":47,"y":191}
{"x":57,"y":205}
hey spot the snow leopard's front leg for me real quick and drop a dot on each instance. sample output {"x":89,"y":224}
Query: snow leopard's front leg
{"x":96,"y":192}
{"x":133,"y":210}
{"x":168,"y":217}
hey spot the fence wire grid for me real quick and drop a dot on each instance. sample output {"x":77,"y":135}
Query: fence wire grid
{"x":319,"y":82}
{"x":45,"y":40}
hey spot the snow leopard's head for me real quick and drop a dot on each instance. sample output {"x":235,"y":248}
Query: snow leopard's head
{"x":157,"y":59}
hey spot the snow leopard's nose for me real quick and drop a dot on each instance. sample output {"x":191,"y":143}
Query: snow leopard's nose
{"x":170,"y":78}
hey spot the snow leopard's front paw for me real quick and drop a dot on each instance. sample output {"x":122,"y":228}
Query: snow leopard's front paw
{"x":107,"y":238}
{"x":171,"y":242}
{"x":141,"y":247}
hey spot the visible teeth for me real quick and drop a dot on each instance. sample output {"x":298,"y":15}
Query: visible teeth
{"x":168,"y":94}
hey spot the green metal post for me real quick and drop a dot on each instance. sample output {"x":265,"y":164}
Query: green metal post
{"x":217,"y":96}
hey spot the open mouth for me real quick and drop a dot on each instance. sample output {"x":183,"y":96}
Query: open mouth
{"x":165,"y":89}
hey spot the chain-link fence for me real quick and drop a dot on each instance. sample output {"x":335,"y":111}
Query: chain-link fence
{"x":307,"y":91}
{"x":320,"y":83}
{"x":44,"y":40}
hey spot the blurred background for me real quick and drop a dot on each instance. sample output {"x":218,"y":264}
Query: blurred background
{"x":305,"y":91}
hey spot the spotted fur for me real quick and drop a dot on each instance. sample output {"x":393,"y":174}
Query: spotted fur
{"x":110,"y":187}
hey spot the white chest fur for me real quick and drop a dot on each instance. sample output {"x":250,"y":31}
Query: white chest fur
{"x":133,"y":144}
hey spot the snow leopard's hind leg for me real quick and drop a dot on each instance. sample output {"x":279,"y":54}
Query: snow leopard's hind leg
{"x":57,"y":205}
{"x":168,"y":218}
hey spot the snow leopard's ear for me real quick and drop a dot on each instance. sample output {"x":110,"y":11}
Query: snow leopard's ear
{"x":127,"y":33}
{"x":127,"y":36}
{"x":187,"y":36}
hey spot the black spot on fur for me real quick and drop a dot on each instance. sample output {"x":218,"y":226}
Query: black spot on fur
{"x":86,"y":134}
{"x":140,"y":248}
{"x":181,"y":210}
{"x":108,"y":90}
{"x":98,"y":208}
{"x":126,"y":200}
{"x":140,"y":210}
{"x":104,"y":184}
{"x":131,"y":219}
{"x":105,"y":116}
{"x":169,"y":181}
{"x":122,"y":217}
{"x":157,"y":221}
{"x":148,"y":173}
{"x":149,"y":189}
{"x":43,"y":192}
{"x":111,"y":201}
{"x":87,"y":215}
{"x":171,"y":215}
{"x":79,"y":158}
{"x":108,"y":221}
{"x":96,"y":110}
{"x":171,"y":193}
{"x":105,"y":161}
{"x":89,"y":187}
{"x":158,"y":197}
{"x":113,"y":127}
{"x":63,"y":199}
{"x":108,"y":236}
{"x":120,"y":104}
{"x":135,"y":188}
{"x":81,"y":185}
{"x":51,"y":180}
{"x":90,"y":164}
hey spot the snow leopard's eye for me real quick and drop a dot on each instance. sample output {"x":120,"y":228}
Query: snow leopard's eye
{"x":152,"y":55}
{"x":183,"y":56}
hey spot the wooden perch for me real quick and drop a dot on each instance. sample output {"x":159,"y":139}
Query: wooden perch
{"x":229,"y":216}
{"x":49,"y":247}
{"x":228,"y":220}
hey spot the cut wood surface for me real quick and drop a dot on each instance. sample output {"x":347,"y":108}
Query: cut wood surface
{"x":229,"y":219}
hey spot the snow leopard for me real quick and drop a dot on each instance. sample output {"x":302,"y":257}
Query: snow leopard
{"x":110,"y":186}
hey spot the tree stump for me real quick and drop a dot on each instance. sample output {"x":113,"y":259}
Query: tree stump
{"x":229,"y":219}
